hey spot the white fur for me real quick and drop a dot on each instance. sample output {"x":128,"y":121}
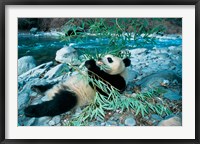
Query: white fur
{"x":116,"y":67}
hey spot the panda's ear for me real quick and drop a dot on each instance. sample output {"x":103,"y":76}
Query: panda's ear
{"x":127,"y":62}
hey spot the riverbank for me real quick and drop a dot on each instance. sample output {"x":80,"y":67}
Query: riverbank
{"x":151,"y":68}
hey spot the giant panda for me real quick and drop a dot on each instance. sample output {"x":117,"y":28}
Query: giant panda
{"x":75,"y":91}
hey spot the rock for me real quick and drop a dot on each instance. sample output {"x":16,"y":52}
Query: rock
{"x":35,"y":72}
{"x":131,"y":75}
{"x":59,"y":124}
{"x":42,"y":121}
{"x":29,"y":122}
{"x":138,"y":51}
{"x":155,"y":80}
{"x":67,"y":55}
{"x":130,"y":121}
{"x":156,"y":117}
{"x":165,"y":82}
{"x":163,"y":55}
{"x":173,"y":121}
{"x":22,"y":99}
{"x":111,"y":123}
{"x":172,"y":95}
{"x":33,"y":30}
{"x":56,"y":71}
{"x":51,"y":123}
{"x":25,"y":63}
{"x":56,"y":119}
{"x":33,"y":94}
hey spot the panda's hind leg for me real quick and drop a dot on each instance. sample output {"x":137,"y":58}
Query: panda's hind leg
{"x":63,"y":101}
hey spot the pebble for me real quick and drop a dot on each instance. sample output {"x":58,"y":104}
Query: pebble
{"x":111,"y":123}
{"x":51,"y":123}
{"x":130,"y":121}
{"x":56,"y":119}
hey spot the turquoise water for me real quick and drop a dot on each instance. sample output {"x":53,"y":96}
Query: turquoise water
{"x":43,"y":47}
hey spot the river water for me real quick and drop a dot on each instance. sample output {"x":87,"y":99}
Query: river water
{"x":43,"y":46}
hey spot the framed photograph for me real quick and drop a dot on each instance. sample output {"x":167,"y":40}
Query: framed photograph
{"x":99,"y":72}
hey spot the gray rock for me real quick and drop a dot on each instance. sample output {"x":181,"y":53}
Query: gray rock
{"x":173,"y":121}
{"x":35,"y":72}
{"x":138,"y":51}
{"x":67,"y":55}
{"x":42,"y":121}
{"x":56,"y":119}
{"x":59,"y":124}
{"x":25,"y":63}
{"x":33,"y":30}
{"x":172,"y":95}
{"x":155,"y":80}
{"x":51,"y":123}
{"x":22,"y":99}
{"x":131,"y":75}
{"x":33,"y":94}
{"x":130,"y":121}
{"x":163,"y":55}
{"x":29,"y":122}
{"x":156,"y":117}
{"x":56,"y":71}
{"x":111,"y":123}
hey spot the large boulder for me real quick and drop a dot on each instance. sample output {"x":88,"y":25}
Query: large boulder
{"x":25,"y":63}
{"x":158,"y":79}
{"x":33,"y":30}
{"x":67,"y":54}
{"x":57,"y":71}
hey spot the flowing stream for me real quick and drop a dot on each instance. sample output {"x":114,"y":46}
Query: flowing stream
{"x":43,"y":46}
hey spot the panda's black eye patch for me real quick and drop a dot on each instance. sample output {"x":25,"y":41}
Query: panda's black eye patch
{"x":109,"y":60}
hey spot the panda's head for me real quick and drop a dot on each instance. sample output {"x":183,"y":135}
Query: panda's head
{"x":115,"y":64}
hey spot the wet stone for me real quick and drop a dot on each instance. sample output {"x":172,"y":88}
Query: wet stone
{"x":130,"y":121}
{"x":56,"y":119}
{"x":156,"y":117}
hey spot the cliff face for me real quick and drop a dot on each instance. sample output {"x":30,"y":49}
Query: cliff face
{"x":172,"y":25}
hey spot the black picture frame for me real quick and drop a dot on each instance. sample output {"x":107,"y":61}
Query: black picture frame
{"x":3,"y":4}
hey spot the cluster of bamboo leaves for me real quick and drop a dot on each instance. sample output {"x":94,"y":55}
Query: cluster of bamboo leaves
{"x":118,"y":31}
{"x":142,"y":103}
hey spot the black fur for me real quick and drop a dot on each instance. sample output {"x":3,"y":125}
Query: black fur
{"x":127,"y":62}
{"x":62,"y":102}
{"x":115,"y":80}
{"x":42,"y":88}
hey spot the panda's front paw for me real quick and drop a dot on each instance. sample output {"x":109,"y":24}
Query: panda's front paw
{"x":90,"y":64}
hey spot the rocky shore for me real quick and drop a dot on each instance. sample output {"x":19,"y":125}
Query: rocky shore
{"x":151,"y":68}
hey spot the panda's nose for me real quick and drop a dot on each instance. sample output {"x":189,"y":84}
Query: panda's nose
{"x":99,"y":59}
